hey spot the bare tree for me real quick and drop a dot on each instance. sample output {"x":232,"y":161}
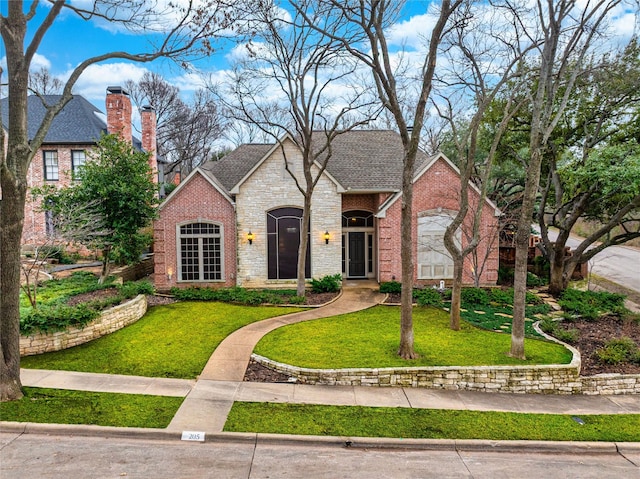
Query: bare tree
{"x":568,"y":31}
{"x":283,"y":86}
{"x":392,"y":81}
{"x":186,"y":130}
{"x":178,"y":31}
{"x":484,"y":61}
{"x":41,"y":82}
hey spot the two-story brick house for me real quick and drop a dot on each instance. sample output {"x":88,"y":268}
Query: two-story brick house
{"x":237,"y":221}
{"x":67,"y":145}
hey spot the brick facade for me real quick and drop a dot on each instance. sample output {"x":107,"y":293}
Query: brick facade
{"x":197,"y":200}
{"x":437,"y":190}
{"x":268,"y":186}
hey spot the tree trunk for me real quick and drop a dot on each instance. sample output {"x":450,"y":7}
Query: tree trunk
{"x":12,"y":219}
{"x":104,"y":273}
{"x":405,"y":350}
{"x":557,"y":281}
{"x":456,"y":295}
{"x":304,"y":244}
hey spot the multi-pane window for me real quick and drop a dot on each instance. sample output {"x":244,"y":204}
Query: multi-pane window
{"x":200,"y":248}
{"x":78,"y":158}
{"x":434,"y":261}
{"x":51,"y":172}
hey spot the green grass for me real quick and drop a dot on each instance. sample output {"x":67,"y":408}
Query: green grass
{"x":172,"y":341}
{"x":58,"y":290}
{"x":80,"y":407}
{"x":358,"y":421}
{"x":370,"y":338}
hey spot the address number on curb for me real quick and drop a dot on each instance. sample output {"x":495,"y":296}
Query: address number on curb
{"x":193,"y":436}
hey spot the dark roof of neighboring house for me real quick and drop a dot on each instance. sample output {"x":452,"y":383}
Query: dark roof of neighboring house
{"x":362,"y":160}
{"x":79,"y":122}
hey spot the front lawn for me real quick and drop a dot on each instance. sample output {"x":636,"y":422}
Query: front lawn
{"x":60,"y":406}
{"x":359,"y":421}
{"x":173,"y":341}
{"x":370,"y":338}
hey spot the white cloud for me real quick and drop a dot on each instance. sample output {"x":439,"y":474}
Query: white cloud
{"x":412,"y":33}
{"x":40,"y":61}
{"x":93,"y":83}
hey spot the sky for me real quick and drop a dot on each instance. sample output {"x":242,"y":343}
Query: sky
{"x":71,"y":40}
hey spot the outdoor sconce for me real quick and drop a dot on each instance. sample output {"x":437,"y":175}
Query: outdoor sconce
{"x":170,"y":273}
{"x":326,"y":237}
{"x":250,"y":237}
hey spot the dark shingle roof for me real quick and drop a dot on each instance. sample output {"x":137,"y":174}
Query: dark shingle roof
{"x":79,"y":122}
{"x":231,"y":168}
{"x":362,"y":160}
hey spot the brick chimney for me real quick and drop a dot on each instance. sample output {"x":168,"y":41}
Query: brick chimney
{"x":148,"y":122}
{"x":119,"y":112}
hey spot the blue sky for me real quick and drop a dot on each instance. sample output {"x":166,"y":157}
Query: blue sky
{"x":72,"y":40}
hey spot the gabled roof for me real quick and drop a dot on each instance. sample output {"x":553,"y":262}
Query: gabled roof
{"x":208,"y":177}
{"x":361,"y":161}
{"x":79,"y":122}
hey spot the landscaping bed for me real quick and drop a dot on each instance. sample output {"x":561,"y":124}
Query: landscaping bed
{"x":593,"y":335}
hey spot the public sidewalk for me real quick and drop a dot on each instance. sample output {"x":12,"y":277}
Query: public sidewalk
{"x":209,"y":398}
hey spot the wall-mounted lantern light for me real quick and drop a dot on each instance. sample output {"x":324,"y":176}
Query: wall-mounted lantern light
{"x":326,"y":237}
{"x":169,"y":273}
{"x":250,"y":237}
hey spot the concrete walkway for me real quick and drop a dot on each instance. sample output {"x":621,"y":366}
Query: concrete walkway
{"x":209,"y":398}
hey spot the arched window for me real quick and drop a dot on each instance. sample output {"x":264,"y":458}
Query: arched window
{"x":200,"y":252}
{"x":434,"y":261}
{"x":283,"y":242}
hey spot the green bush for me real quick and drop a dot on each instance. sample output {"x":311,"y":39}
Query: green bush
{"x":619,"y":351}
{"x":591,"y":304}
{"x":327,"y":284}
{"x":134,"y":288}
{"x":475,"y":296}
{"x":503,"y":297}
{"x":56,"y":317}
{"x":237,"y":295}
{"x":391,"y":287}
{"x":505,"y":275}
{"x":56,"y":252}
{"x":428,"y":297}
{"x":552,"y":328}
{"x":534,"y":280}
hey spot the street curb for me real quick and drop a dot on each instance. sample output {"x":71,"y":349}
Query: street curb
{"x":469,"y":445}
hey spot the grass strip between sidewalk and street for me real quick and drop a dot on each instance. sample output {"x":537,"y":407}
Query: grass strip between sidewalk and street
{"x":59,"y":406}
{"x":359,"y":421}
{"x":173,"y":341}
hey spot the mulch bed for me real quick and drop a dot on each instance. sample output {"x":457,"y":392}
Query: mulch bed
{"x":594,"y":334}
{"x":92,"y":296}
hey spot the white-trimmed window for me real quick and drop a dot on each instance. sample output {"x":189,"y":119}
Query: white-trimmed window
{"x":51,"y":172}
{"x":200,"y":252}
{"x":434,"y":261}
{"x":78,"y":159}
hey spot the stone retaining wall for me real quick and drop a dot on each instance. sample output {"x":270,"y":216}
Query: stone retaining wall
{"x":545,"y":379}
{"x":109,"y":321}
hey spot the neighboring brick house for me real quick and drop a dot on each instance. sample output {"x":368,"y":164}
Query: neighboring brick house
{"x":237,"y":221}
{"x":71,"y":136}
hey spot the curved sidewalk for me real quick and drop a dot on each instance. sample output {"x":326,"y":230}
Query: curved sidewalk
{"x":231,"y":358}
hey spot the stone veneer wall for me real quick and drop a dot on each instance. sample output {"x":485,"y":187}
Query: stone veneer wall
{"x":270,"y":186}
{"x":545,"y":379}
{"x":109,"y":321}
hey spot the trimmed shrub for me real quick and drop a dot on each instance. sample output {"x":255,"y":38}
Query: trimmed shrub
{"x":591,"y":304}
{"x":428,"y":297}
{"x":56,"y":317}
{"x":619,"y":351}
{"x":391,"y":287}
{"x":552,"y":328}
{"x":477,"y":296}
{"x":327,"y":284}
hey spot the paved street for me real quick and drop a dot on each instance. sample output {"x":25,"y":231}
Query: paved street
{"x":32,"y":455}
{"x":620,"y":264}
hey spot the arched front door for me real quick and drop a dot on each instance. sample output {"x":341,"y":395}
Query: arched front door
{"x":358,"y":244}
{"x":283,"y":242}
